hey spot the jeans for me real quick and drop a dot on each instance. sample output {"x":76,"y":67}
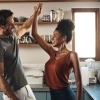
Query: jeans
{"x":65,"y":93}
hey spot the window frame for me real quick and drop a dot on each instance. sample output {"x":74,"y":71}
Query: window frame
{"x":97,"y":12}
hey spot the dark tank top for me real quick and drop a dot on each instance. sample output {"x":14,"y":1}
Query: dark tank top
{"x":57,"y":71}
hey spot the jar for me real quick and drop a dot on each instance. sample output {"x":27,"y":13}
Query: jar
{"x":91,"y":73}
{"x":60,"y":15}
{"x":91,"y":65}
{"x":52,"y":15}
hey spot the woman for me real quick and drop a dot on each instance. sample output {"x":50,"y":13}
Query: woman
{"x":61,"y":62}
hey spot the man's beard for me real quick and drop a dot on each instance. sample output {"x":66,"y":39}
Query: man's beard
{"x":8,"y":32}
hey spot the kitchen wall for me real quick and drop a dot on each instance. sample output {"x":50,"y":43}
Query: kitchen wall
{"x":35,"y":55}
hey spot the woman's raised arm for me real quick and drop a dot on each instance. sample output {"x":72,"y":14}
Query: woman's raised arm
{"x":41,"y":42}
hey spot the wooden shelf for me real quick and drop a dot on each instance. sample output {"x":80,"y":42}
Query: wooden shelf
{"x":21,"y":23}
{"x":28,"y":44}
{"x":49,"y":1}
{"x":47,"y":22}
{"x":18,"y":23}
{"x":32,"y":44}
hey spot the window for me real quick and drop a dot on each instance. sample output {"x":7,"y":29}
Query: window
{"x":86,"y":36}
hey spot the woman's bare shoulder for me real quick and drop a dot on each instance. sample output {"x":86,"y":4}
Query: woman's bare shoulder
{"x":73,"y":55}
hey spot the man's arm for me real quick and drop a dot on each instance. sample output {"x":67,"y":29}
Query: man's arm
{"x":27,"y":24}
{"x":4,"y":86}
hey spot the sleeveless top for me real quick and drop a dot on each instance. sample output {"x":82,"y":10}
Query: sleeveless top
{"x":57,"y":71}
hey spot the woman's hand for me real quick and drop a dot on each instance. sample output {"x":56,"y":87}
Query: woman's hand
{"x":44,"y":45}
{"x":37,"y":11}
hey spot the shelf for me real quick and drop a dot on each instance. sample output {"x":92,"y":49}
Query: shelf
{"x":49,"y":0}
{"x":28,"y":44}
{"x":48,"y":22}
{"x":20,"y":23}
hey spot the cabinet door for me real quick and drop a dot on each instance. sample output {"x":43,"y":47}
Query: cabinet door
{"x":39,"y":95}
{"x":1,"y":94}
{"x":83,"y":95}
{"x":48,"y":96}
{"x":87,"y":97}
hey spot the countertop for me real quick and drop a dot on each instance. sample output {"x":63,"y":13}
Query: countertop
{"x":43,"y":87}
{"x":93,"y":91}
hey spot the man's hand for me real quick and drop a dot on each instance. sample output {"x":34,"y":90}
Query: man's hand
{"x":38,"y":9}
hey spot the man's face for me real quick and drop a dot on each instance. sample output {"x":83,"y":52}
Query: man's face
{"x":8,"y":29}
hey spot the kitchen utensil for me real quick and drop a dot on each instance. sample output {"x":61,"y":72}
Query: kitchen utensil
{"x":15,"y":19}
{"x":90,"y":64}
{"x":59,"y":15}
{"x":52,"y":15}
{"x":47,"y":38}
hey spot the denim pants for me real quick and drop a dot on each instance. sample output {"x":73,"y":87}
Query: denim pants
{"x":65,"y":93}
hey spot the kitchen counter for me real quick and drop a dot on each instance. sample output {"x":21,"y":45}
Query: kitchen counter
{"x":43,"y":87}
{"x":93,"y":91}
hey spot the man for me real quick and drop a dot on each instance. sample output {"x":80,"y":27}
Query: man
{"x":12,"y":79}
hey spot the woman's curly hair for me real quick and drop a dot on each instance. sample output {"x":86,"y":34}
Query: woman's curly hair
{"x":65,"y":27}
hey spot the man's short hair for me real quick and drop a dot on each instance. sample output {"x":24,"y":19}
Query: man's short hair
{"x":4,"y":14}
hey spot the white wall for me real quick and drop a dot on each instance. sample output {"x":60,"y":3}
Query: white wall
{"x":33,"y":55}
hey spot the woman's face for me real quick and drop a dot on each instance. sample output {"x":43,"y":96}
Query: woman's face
{"x":57,"y":39}
{"x":8,"y":29}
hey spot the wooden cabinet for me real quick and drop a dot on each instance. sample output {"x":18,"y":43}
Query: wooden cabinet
{"x":87,"y":96}
{"x":48,"y":96}
{"x":40,"y":95}
{"x":49,"y":0}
